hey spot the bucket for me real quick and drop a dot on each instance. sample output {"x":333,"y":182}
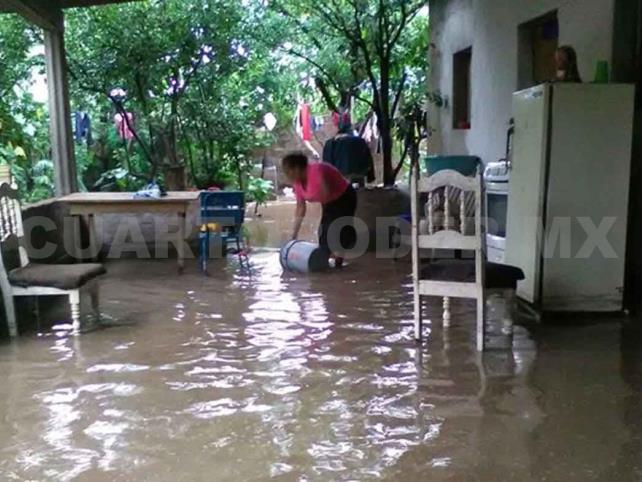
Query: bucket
{"x":466,"y":165}
{"x":303,"y":257}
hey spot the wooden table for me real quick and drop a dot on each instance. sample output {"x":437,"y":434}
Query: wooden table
{"x":91,"y":204}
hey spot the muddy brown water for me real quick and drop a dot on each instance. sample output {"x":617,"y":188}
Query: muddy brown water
{"x":256,"y":375}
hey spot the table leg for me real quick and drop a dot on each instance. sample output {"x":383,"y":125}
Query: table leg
{"x":93,"y":238}
{"x":181,"y":241}
{"x":76,"y":239}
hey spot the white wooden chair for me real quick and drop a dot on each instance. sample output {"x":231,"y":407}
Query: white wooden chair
{"x":20,"y":277}
{"x":455,"y":278}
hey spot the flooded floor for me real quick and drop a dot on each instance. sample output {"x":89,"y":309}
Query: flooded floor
{"x":252,"y":375}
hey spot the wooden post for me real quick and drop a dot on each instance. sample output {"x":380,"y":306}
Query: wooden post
{"x":416,"y":272}
{"x":61,"y":133}
{"x":480,"y":261}
{"x":42,"y":13}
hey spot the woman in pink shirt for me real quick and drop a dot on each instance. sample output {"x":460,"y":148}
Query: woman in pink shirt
{"x":323,"y":183}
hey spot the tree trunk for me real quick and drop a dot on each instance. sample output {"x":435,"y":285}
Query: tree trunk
{"x":385,"y":131}
{"x":385,"y":123}
{"x":174,"y":178}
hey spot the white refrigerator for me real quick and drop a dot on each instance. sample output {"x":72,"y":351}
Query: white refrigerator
{"x":568,"y":195}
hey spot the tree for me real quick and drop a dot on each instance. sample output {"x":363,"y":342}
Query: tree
{"x":177,"y":65}
{"x":370,"y":49}
{"x":24,"y":142}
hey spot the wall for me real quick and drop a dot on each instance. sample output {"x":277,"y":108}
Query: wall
{"x":491,"y":27}
{"x":288,"y":141}
{"x":451,"y":27}
{"x":627,"y":49}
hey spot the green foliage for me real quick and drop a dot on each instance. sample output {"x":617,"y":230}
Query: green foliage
{"x":24,"y":143}
{"x":258,"y":190}
{"x":16,"y":59}
{"x":193,"y":78}
{"x":34,"y":180}
{"x":375,"y":51}
{"x":199,"y":75}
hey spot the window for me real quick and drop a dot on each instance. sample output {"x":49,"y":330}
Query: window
{"x":538,"y":41}
{"x":461,"y":88}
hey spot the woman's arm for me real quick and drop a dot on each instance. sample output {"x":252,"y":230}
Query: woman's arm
{"x":298,"y":217}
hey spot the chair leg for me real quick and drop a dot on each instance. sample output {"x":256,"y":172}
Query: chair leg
{"x":36,"y":311}
{"x":10,"y":310}
{"x":418,"y":317}
{"x":395,"y":241}
{"x":508,"y":310}
{"x":446,"y":312}
{"x":205,"y":251}
{"x":74,"y":304}
{"x":481,"y":322}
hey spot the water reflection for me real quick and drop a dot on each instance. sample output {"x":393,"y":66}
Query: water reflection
{"x":251,"y":374}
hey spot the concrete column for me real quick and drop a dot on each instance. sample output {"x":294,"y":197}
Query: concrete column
{"x":61,"y":133}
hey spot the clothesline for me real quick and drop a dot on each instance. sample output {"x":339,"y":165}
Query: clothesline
{"x":82,"y":125}
{"x":306,"y":124}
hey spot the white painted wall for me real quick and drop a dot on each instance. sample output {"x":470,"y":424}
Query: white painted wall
{"x":491,"y":28}
{"x":451,"y":26}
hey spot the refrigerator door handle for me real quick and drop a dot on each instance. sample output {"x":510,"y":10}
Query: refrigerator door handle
{"x":509,"y":143}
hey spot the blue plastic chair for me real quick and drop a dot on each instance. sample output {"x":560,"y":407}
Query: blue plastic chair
{"x":227,"y":210}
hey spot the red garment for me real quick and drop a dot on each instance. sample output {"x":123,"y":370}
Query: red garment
{"x":324,"y":184}
{"x":306,"y":123}
{"x":341,"y":119}
{"x":122,"y":127}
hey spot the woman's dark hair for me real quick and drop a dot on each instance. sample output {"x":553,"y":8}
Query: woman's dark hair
{"x":571,"y":72}
{"x":295,"y":160}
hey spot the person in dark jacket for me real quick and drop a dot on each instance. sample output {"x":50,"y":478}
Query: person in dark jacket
{"x":350,"y":154}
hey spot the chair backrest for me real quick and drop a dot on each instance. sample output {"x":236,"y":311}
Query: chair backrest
{"x":223,"y":207}
{"x":451,"y":198}
{"x":5,"y":174}
{"x":13,"y":253}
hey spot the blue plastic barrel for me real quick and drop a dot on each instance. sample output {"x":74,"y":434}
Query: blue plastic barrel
{"x":303,"y":257}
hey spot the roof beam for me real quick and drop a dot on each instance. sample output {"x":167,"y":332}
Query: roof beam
{"x":45,"y":14}
{"x":89,"y":3}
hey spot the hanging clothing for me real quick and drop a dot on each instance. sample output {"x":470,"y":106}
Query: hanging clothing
{"x":351,"y":155}
{"x":297,"y":121}
{"x":82,"y":128}
{"x":306,"y":123}
{"x":317,"y":123}
{"x":341,"y":118}
{"x":371,"y":130}
{"x":122,"y":126}
{"x":372,"y":135}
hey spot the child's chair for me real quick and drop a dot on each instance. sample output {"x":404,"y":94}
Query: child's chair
{"x":222,"y":217}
